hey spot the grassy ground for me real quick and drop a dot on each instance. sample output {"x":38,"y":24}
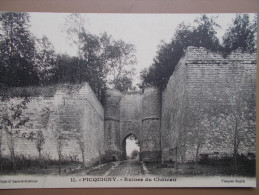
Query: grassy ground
{"x":72,"y":169}
{"x":51,"y":167}
{"x":33,"y":166}
{"x":246,"y":169}
{"x":48,"y":170}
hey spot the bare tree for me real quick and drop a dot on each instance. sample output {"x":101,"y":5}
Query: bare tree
{"x":60,"y":145}
{"x":239,"y":112}
{"x":80,"y":140}
{"x":40,"y":140}
{"x":1,"y":149}
{"x":197,"y":114}
{"x":75,"y":26}
{"x":231,"y":107}
{"x":60,"y":136}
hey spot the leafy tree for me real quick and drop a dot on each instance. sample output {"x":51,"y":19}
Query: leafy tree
{"x":66,"y":69}
{"x":168,"y":54}
{"x":102,"y":62}
{"x":121,"y":58}
{"x":241,"y":34}
{"x":101,"y":59}
{"x":124,"y":82}
{"x":204,"y":35}
{"x":134,"y":154}
{"x":94,"y":62}
{"x":108,"y":61}
{"x":12,"y":122}
{"x":17,"y":49}
{"x":45,"y":60}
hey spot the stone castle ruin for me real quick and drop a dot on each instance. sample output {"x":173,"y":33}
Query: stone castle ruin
{"x":133,"y":114}
{"x":206,"y":109}
{"x":208,"y":106}
{"x":71,"y":120}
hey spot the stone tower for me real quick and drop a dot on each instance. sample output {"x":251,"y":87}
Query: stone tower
{"x":136,"y":114}
{"x":151,"y":119}
{"x":112,"y":125}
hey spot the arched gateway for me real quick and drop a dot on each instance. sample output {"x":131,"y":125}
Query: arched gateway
{"x":132,"y":138}
{"x":137,"y":114}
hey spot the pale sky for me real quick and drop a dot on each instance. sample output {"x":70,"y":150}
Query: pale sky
{"x":130,"y":146}
{"x":145,"y":31}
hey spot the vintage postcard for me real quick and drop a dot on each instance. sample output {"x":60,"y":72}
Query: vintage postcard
{"x":127,"y":100}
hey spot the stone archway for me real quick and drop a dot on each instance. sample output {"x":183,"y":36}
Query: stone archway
{"x":137,"y":114}
{"x":127,"y":139}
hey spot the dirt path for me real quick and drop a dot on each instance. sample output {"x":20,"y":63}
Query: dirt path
{"x":128,"y":168}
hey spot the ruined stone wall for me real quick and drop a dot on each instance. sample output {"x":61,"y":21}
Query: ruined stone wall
{"x":151,"y":145}
{"x":73,"y":115}
{"x":174,"y":104}
{"x":112,"y":124}
{"x":131,"y":115}
{"x":210,"y":92}
{"x":137,"y":114}
{"x":130,"y":118}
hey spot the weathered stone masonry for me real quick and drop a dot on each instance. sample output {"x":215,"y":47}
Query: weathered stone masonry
{"x":137,"y":114}
{"x":193,"y":113}
{"x":189,"y":113}
{"x":75,"y":109}
{"x":151,"y":146}
{"x":194,"y":105}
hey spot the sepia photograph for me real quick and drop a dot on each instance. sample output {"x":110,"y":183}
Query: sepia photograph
{"x":127,"y":100}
